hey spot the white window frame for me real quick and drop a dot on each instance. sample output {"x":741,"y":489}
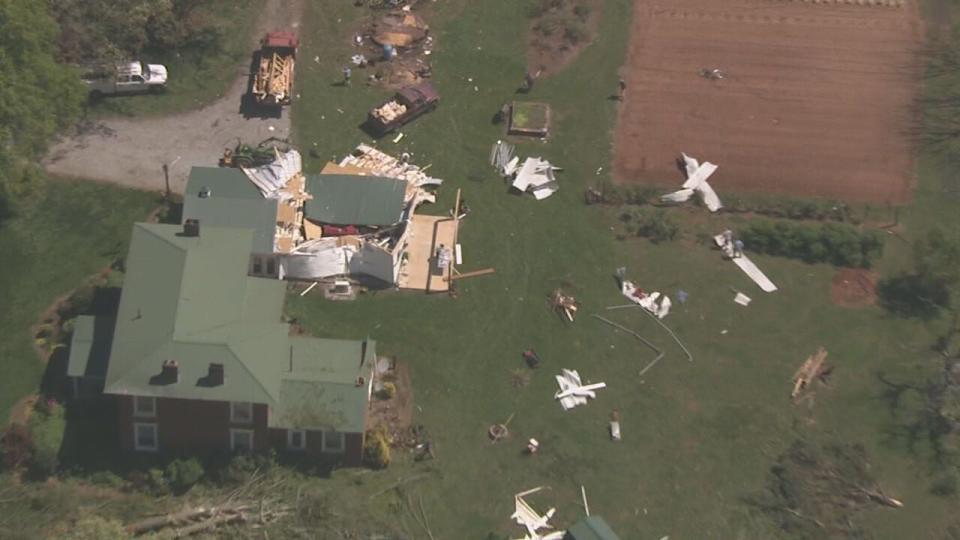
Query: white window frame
{"x":235,"y":418}
{"x":140,"y":413}
{"x":136,"y":437}
{"x":233,"y":441}
{"x":328,"y":449}
{"x":303,"y":439}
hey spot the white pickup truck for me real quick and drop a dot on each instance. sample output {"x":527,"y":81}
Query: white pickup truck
{"x":127,"y":78}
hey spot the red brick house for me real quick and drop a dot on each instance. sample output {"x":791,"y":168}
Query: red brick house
{"x":200,"y":361}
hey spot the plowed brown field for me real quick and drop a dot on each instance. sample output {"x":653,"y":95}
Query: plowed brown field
{"x":818,"y":99}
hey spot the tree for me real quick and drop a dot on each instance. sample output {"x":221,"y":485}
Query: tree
{"x":47,"y":427}
{"x":38,"y":97}
{"x":98,"y":528}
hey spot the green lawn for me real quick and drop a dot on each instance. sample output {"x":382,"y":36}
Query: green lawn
{"x":201,"y":72}
{"x":65,"y":232}
{"x":698,"y":437}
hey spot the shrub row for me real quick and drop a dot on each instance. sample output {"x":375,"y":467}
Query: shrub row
{"x":835,"y":243}
{"x":651,"y":223}
{"x":775,"y":207}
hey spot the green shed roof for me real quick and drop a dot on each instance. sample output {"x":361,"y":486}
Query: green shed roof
{"x":225,"y":197}
{"x":591,"y":528}
{"x":90,"y":346}
{"x":190,"y":299}
{"x":342,"y":199}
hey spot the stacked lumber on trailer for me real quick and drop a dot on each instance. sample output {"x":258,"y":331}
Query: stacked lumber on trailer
{"x":274,"y":76}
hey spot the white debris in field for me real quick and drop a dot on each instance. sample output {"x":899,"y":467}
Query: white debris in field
{"x":572,"y":391}
{"x":655,"y":302}
{"x":696,"y":182}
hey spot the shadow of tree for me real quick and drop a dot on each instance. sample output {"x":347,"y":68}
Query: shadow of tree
{"x":909,"y":295}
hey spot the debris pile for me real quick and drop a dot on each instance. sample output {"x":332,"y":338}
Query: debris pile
{"x":526,"y":516}
{"x":697,"y":175}
{"x":373,"y":161}
{"x":812,"y":369}
{"x":401,"y":29}
{"x":655,"y":302}
{"x":564,"y":304}
{"x":395,"y":45}
{"x":733,"y":249}
{"x":572,"y":391}
{"x":503,"y":159}
{"x":535,"y":175}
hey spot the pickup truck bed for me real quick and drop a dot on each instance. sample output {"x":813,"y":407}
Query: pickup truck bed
{"x":406,"y":105}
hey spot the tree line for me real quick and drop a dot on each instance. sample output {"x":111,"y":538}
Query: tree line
{"x":41,"y":44}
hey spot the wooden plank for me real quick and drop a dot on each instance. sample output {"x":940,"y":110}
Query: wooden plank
{"x":474,"y":273}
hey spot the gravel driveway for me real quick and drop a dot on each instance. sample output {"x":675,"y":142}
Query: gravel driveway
{"x":132,"y":152}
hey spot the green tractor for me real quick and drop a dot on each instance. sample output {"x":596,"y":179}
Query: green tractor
{"x":246,"y":156}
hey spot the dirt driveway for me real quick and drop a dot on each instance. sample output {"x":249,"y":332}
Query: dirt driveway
{"x":817,"y":100}
{"x":132,"y":151}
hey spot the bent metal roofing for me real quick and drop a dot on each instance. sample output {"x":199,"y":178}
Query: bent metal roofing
{"x":190,"y":299}
{"x":342,"y":199}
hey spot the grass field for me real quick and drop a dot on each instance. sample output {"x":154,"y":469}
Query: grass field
{"x":699,"y":436}
{"x":200,"y":73}
{"x":67,"y":231}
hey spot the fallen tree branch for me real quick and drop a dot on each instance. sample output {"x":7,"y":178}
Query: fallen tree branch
{"x":398,"y":484}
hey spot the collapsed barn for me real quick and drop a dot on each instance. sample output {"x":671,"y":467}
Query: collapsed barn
{"x":356,"y":218}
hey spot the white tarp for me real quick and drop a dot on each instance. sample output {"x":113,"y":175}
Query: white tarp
{"x":271,"y":178}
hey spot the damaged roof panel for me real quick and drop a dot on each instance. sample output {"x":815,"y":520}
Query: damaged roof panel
{"x":355,"y":200}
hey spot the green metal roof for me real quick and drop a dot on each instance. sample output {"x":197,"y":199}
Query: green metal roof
{"x":320,"y":389}
{"x":230,"y":200}
{"x":591,"y":528}
{"x":190,"y":299}
{"x":90,"y":346}
{"x":342,"y":199}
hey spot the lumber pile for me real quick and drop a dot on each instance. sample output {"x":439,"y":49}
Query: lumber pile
{"x":813,"y":368}
{"x":564,"y":304}
{"x":390,"y":111}
{"x":274,"y":76}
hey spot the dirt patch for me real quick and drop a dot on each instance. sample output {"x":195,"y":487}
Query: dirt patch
{"x":560,"y":29}
{"x":409,"y":33}
{"x":854,"y":287}
{"x":395,"y":415}
{"x":817,"y":99}
{"x":132,"y":152}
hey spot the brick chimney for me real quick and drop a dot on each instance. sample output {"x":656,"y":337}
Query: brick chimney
{"x":215,"y":374}
{"x":170,"y":372}
{"x":191,"y":227}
